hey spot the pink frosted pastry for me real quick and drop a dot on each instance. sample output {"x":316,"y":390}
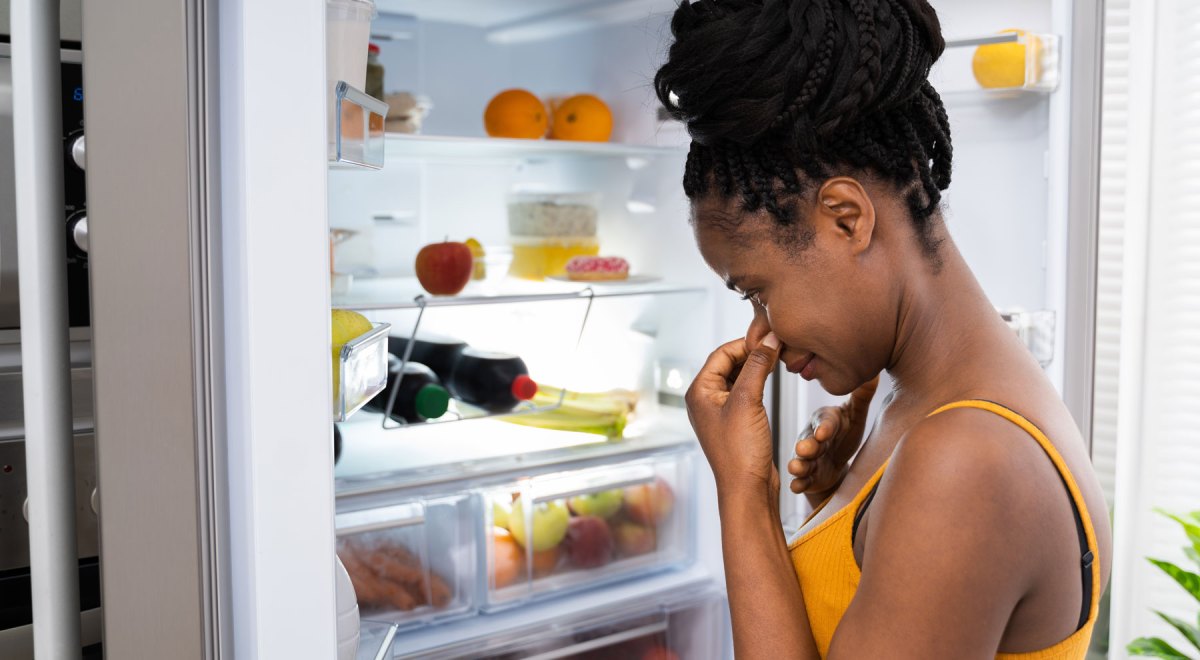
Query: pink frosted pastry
{"x":597,"y":268}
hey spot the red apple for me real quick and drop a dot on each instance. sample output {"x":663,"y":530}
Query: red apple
{"x":589,"y":542}
{"x":633,"y":539}
{"x":649,"y":504}
{"x":444,"y":268}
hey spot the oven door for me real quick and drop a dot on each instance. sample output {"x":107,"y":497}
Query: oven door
{"x":74,"y":195}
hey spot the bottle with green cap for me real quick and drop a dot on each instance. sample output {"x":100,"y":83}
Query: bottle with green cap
{"x":419,"y":396}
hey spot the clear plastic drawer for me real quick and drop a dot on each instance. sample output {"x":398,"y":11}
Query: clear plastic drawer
{"x":410,"y":562}
{"x":570,"y":530}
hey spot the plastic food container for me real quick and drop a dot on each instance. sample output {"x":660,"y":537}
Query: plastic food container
{"x":411,"y":561}
{"x":553,"y":214}
{"x":537,"y":258}
{"x":573,"y":530}
{"x":347,"y":37}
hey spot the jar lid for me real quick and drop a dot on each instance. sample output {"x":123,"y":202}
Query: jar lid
{"x":373,"y":49}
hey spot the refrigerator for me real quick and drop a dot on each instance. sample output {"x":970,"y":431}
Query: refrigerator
{"x":215,"y":192}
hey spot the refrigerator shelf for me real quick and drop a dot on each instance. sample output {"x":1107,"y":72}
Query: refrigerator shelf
{"x":448,"y":148}
{"x":433,"y":460}
{"x":357,"y":139}
{"x":400,"y":293}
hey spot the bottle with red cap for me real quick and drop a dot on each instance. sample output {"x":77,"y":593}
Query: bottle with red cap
{"x":496,"y":382}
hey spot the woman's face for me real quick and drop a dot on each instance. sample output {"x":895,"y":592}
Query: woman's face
{"x":829,"y":297}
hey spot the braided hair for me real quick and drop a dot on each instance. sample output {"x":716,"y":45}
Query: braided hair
{"x":777,"y":94}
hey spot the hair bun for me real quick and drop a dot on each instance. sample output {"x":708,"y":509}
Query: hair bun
{"x":740,"y":69}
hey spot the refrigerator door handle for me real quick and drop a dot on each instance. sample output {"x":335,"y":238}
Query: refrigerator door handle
{"x":46,"y":375}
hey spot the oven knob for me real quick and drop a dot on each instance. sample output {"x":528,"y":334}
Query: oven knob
{"x":79,"y":153}
{"x":79,"y":232}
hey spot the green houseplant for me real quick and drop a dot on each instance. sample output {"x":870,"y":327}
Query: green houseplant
{"x":1153,"y":646}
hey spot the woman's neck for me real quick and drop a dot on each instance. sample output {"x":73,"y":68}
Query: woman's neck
{"x":947,"y":333}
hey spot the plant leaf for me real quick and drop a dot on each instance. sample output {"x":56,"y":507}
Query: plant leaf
{"x":1154,"y":647}
{"x":1195,"y":516}
{"x":1190,"y":632}
{"x":1188,"y":580}
{"x":1191,"y":527}
{"x":1193,"y":553}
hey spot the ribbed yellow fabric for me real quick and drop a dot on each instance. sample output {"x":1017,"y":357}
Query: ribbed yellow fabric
{"x":824,"y":556}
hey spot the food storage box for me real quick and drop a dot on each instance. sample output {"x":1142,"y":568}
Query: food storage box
{"x":410,"y":562}
{"x":536,"y":258}
{"x":553,"y":214}
{"x":362,"y":370}
{"x":689,"y":624}
{"x":571,"y":530}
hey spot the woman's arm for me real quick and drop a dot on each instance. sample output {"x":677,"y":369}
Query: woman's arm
{"x":725,"y":407}
{"x":765,"y":603}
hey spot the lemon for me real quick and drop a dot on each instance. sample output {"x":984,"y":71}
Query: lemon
{"x":999,"y":66}
{"x":477,"y":252}
{"x":346,"y":326}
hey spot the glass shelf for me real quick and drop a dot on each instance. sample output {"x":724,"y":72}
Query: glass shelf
{"x":406,"y":293}
{"x":374,"y":459}
{"x":444,"y":148}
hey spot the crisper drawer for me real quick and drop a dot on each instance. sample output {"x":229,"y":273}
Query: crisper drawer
{"x":570,"y":530}
{"x":413,"y":561}
{"x":688,"y":626}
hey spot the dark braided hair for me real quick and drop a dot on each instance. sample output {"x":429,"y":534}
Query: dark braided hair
{"x":778,"y":94}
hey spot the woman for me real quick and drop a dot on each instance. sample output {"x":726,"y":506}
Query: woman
{"x":970,"y":524}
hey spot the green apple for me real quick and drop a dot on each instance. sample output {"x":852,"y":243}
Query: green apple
{"x":500,"y":514}
{"x":550,"y":521}
{"x":603,"y":504}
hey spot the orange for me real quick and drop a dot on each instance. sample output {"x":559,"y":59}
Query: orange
{"x":515,"y":113}
{"x":582,"y":117}
{"x":508,"y":559}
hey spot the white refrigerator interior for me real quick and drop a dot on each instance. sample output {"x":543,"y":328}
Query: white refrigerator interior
{"x":430,"y":497}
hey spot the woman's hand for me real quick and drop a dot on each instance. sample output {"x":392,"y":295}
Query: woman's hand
{"x":725,"y":406}
{"x":833,"y":435}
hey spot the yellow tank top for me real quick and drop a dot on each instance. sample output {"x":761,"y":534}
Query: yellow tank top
{"x":828,"y":573}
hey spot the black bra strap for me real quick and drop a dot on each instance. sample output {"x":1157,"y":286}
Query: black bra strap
{"x":862,"y":510}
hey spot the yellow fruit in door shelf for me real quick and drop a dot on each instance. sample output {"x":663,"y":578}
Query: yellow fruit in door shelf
{"x":346,"y":326}
{"x":998,"y":66}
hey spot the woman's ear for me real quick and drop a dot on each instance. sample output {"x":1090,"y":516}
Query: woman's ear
{"x":843,"y":205}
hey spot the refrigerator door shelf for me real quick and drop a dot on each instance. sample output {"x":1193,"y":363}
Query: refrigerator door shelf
{"x":362,"y":371}
{"x":573,"y":530}
{"x":357,"y":139}
{"x":689,"y":623}
{"x":411,"y":562}
{"x":1008,"y":64}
